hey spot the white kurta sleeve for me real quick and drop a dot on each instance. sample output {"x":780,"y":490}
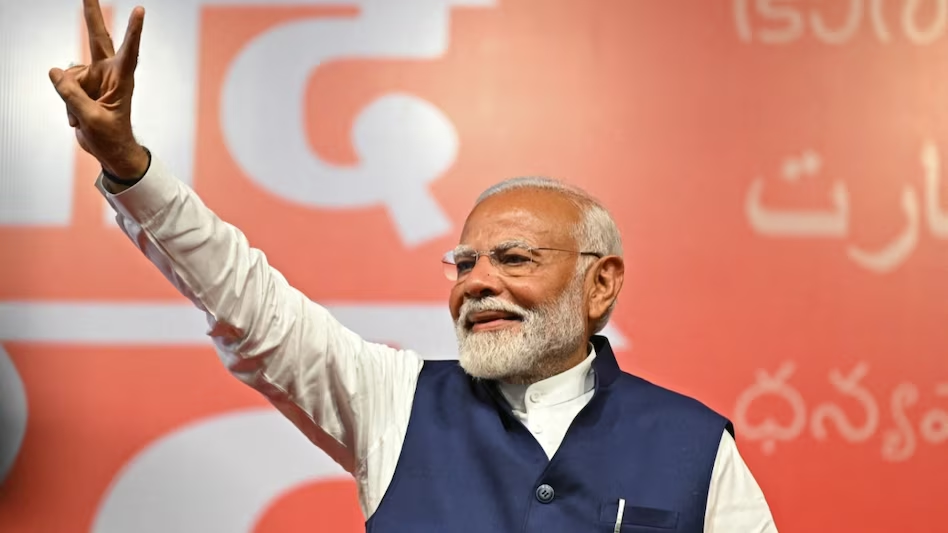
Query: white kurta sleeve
{"x":350,"y":397}
{"x":735,"y":502}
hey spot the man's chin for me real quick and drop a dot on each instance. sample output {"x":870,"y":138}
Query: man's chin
{"x":477,"y":369}
{"x":493,"y":353}
{"x":486,"y":365}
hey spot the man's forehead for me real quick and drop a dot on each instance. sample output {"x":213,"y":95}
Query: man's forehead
{"x":533,"y":216}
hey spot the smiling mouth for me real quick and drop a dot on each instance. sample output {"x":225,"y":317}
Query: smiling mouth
{"x":488,"y":321}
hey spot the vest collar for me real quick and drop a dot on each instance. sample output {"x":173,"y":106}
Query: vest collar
{"x":605,"y":364}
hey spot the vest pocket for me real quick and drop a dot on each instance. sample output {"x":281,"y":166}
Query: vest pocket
{"x":638,"y":516}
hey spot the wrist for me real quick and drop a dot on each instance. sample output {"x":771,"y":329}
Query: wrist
{"x":132,"y":164}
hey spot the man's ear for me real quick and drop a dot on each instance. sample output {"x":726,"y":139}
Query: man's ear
{"x":605,"y":282}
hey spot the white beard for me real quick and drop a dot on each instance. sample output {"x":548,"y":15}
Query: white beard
{"x":547,"y":336}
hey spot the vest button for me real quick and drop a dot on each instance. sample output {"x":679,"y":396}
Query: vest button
{"x":545,"y":493}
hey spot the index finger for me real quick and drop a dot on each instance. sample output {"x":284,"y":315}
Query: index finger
{"x":100,"y":44}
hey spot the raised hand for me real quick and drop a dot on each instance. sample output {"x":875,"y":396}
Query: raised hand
{"x":98,"y":96}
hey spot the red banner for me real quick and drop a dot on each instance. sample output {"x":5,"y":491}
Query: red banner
{"x":777,"y":170}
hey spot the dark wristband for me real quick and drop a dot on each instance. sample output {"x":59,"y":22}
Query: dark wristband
{"x":127,"y":182}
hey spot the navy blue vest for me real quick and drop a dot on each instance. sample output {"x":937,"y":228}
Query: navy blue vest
{"x":467,"y":465}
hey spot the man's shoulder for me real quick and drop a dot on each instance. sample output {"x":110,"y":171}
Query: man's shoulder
{"x":442,"y":370}
{"x":665,"y":402}
{"x":441,"y":366}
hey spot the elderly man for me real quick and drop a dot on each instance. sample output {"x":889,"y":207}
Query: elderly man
{"x":535,"y":428}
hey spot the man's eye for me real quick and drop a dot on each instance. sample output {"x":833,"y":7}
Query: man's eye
{"x":465,"y":264}
{"x":514,"y":258}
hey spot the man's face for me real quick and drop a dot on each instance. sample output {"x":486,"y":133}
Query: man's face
{"x":520,"y":327}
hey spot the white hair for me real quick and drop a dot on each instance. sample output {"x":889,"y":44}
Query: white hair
{"x":596,"y":231}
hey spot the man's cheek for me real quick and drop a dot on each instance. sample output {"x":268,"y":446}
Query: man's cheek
{"x":454,"y":305}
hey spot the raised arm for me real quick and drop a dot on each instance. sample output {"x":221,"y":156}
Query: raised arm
{"x":344,"y":393}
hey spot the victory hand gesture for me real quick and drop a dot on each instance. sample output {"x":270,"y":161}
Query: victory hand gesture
{"x":98,"y":96}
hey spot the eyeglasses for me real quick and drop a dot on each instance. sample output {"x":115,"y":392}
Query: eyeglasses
{"x":514,"y":260}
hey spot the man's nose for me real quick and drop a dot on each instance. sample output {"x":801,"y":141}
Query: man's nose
{"x":483,"y":279}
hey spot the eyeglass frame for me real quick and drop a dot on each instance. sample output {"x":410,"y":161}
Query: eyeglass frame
{"x":491,"y":255}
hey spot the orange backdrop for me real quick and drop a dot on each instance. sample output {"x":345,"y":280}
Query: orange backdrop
{"x":776,"y":169}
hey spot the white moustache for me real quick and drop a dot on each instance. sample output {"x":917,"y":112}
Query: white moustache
{"x":490,"y":303}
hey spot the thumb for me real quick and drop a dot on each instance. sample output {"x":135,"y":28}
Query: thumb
{"x":78,"y":103}
{"x":55,"y":75}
